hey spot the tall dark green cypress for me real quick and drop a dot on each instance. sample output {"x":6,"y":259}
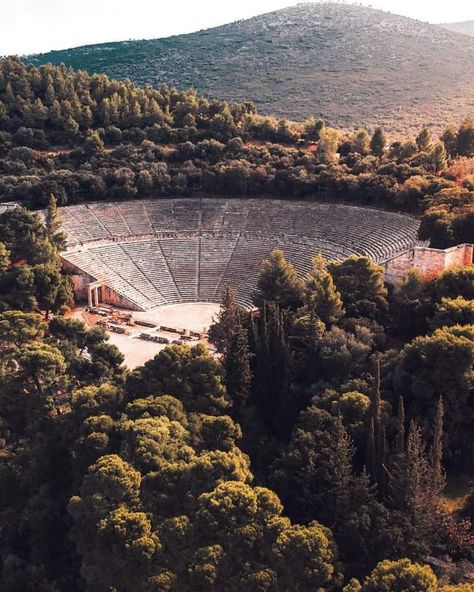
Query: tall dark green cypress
{"x":383,"y":474}
{"x":273,"y":367}
{"x":53,"y":225}
{"x":220,"y":332}
{"x":400,"y":434}
{"x":438,"y":478}
{"x":375,"y":444}
{"x":237,"y":368}
{"x":370,"y":454}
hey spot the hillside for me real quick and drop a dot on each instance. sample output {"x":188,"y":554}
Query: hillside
{"x":466,"y":27}
{"x":352,"y":65}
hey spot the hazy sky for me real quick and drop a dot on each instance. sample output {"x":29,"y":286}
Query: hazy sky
{"x":30,"y":26}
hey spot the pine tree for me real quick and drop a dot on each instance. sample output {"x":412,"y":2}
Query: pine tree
{"x":86,"y":118}
{"x":278,"y":282}
{"x":328,"y":144}
{"x":104,"y":114}
{"x":465,"y":138}
{"x":93,"y":144}
{"x":9,"y":96}
{"x":39,"y":113}
{"x":361,"y":141}
{"x":449,"y":139}
{"x":360,"y":282}
{"x":437,"y":157}
{"x":49,"y":93}
{"x":423,"y":140}
{"x":312,"y":128}
{"x":314,"y":474}
{"x":320,"y":295}
{"x":3,"y":113}
{"x":378,"y":142}
{"x":70,"y":125}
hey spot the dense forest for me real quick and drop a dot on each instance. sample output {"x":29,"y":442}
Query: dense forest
{"x":84,"y":137}
{"x":313,"y":453}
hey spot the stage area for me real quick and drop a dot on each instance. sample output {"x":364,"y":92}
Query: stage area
{"x":194,"y":316}
{"x":173,"y":323}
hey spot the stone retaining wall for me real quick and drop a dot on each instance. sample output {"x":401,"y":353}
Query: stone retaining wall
{"x":428,"y":261}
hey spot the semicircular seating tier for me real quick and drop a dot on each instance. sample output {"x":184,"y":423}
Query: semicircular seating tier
{"x":166,"y":251}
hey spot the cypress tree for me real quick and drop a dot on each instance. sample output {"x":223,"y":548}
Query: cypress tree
{"x":416,"y":470}
{"x":400,"y":437}
{"x":375,"y":445}
{"x":221,"y":332}
{"x":396,"y":472}
{"x":382,"y":469}
{"x":273,"y":367}
{"x":53,"y":224}
{"x":370,"y":454}
{"x":237,"y":368}
{"x":314,"y":474}
{"x":437,"y":474}
{"x":421,"y":505}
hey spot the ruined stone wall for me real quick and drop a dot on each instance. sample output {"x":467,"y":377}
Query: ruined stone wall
{"x":109,"y":296}
{"x":79,"y":283}
{"x":427,"y":261}
{"x":397,"y":267}
{"x":81,"y":280}
{"x":459,"y":255}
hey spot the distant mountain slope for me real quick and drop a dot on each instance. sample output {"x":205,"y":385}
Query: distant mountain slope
{"x":466,"y":27}
{"x":351,"y":64}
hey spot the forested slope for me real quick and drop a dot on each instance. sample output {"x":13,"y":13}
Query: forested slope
{"x":82,"y":136}
{"x":352,"y":65}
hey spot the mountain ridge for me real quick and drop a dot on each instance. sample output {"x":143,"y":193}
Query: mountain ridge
{"x":309,"y":59}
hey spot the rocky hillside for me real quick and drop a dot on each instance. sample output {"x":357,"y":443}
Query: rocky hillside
{"x":352,"y":65}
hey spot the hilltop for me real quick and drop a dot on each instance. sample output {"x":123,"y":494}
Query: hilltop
{"x":465,"y":27}
{"x":352,"y":65}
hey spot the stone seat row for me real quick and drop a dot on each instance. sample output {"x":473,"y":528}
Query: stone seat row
{"x":166,"y":271}
{"x":376,"y":233}
{"x":157,"y":252}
